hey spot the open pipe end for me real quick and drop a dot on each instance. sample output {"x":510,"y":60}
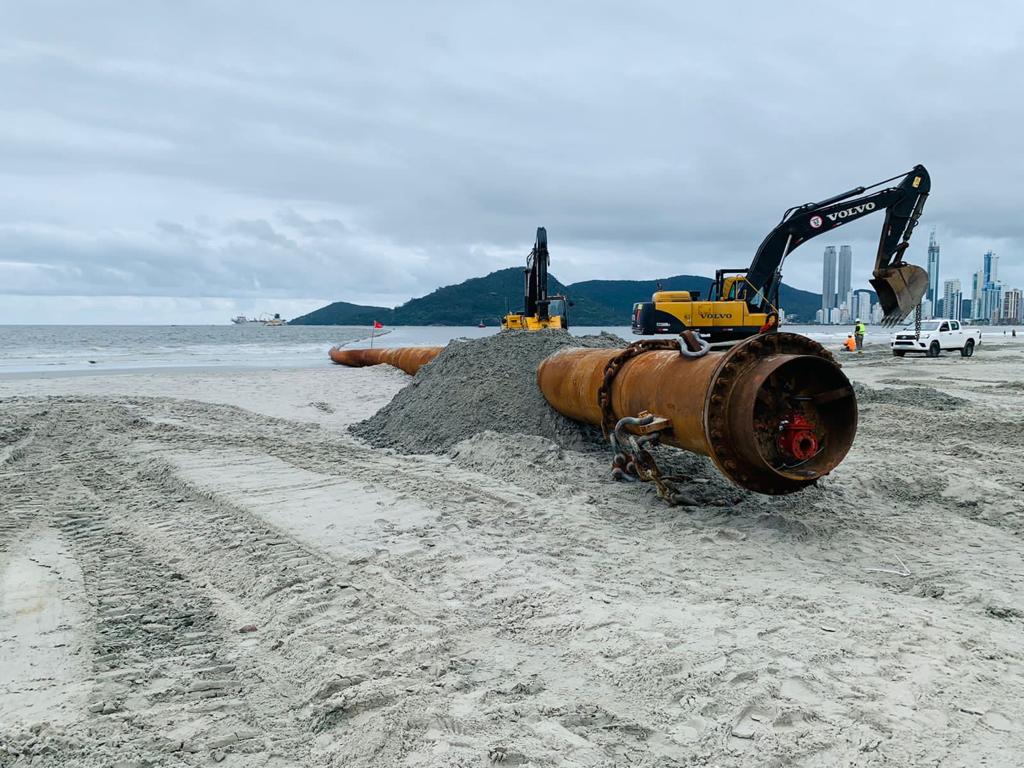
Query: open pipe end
{"x":788,"y":414}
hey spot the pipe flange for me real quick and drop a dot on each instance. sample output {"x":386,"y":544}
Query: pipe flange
{"x":723,"y":449}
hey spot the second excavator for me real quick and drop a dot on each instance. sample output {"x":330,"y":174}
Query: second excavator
{"x":540,"y":310}
{"x":744,"y":302}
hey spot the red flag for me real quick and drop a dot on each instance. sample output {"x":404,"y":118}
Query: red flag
{"x":378,"y":324}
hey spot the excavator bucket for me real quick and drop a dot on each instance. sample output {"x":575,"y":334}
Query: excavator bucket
{"x":900,"y":289}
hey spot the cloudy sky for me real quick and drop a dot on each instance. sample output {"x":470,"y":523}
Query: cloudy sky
{"x":185,"y":161}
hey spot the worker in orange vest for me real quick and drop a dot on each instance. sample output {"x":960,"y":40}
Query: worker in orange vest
{"x":850,"y":343}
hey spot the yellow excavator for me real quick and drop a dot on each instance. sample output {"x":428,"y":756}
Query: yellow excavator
{"x":540,"y":311}
{"x":744,"y":302}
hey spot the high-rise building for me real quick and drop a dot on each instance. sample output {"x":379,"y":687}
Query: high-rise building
{"x":862,"y":306}
{"x":952,"y":300}
{"x":990,"y":307}
{"x":933,"y":269}
{"x":992,"y":302}
{"x":876,"y":314}
{"x":977,"y":284}
{"x":828,"y":280}
{"x":845,"y":272}
{"x":1012,"y":306}
{"x":966,"y":309}
{"x":990,"y":268}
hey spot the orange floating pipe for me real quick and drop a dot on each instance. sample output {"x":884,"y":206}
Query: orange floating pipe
{"x":774,"y":412}
{"x":409,"y":359}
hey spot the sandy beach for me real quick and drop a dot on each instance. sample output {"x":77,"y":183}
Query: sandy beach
{"x":205,"y":566}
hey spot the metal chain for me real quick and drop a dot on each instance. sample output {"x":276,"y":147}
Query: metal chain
{"x":917,"y":322}
{"x":633,"y":460}
{"x":611,"y":370}
{"x":689,"y":345}
{"x":636,"y":462}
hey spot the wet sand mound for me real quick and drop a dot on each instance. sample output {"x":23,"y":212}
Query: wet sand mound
{"x":927,"y":398}
{"x":478,"y":385}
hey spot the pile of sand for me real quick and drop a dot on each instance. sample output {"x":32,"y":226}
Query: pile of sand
{"x":927,"y":398}
{"x":478,"y":385}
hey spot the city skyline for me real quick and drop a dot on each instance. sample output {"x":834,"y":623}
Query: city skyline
{"x":991,"y":302}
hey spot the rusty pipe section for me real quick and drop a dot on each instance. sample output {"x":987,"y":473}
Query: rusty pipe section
{"x":409,"y":359}
{"x":774,"y":412}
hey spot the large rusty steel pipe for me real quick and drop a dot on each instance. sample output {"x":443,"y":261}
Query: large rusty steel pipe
{"x":409,"y":359}
{"x":774,"y":412}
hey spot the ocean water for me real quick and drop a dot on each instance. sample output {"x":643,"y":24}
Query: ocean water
{"x":75,"y":348}
{"x":78,"y":348}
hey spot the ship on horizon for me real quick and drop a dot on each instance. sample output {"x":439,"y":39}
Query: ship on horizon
{"x":264,"y":319}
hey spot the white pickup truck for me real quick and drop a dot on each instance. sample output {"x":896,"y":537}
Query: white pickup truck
{"x":936,"y":336}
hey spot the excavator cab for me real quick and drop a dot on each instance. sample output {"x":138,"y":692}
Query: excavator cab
{"x":558,"y":309}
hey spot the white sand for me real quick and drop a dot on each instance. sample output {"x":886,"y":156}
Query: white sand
{"x":511,"y":603}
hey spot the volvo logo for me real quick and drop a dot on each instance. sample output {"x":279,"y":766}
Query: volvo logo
{"x":845,"y":214}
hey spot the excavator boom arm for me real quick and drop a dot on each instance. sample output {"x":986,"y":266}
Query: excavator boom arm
{"x":899,"y":286}
{"x":536,"y":275}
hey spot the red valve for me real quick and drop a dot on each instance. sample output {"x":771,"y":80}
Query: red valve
{"x":797,"y":438}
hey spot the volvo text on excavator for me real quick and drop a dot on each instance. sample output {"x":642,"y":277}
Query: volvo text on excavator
{"x":744,"y":302}
{"x":540,"y":310}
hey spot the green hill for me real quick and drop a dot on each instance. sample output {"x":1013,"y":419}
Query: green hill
{"x":344,"y":313}
{"x":595,"y":302}
{"x":469,"y":302}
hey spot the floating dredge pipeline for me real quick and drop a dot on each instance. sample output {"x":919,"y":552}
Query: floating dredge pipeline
{"x":409,"y":359}
{"x":774,"y":412}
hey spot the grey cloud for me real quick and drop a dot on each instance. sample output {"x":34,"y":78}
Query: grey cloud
{"x":396,"y":147}
{"x":261,"y":230}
